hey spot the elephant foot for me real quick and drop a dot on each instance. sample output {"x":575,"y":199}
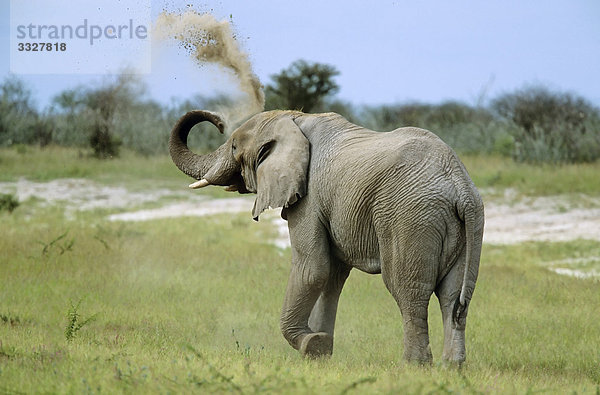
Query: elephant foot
{"x":420,"y":357}
{"x":419,"y":361}
{"x":454,"y":353}
{"x":454,"y":360}
{"x":452,"y":364}
{"x":315,"y":345}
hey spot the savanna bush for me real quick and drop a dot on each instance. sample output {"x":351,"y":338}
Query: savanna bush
{"x":532,"y":124}
{"x":20,"y":122}
{"x":119,"y":114}
{"x":103,"y":118}
{"x":467,"y":129}
{"x":549,"y":126}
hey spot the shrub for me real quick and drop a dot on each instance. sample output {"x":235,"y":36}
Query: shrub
{"x":8,"y":202}
{"x":103,"y":143}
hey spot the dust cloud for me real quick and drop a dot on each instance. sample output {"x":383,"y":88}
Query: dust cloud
{"x":208,"y":40}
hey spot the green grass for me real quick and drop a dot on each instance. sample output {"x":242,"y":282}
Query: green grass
{"x":59,"y":162}
{"x":499,"y":173}
{"x":192,"y":304}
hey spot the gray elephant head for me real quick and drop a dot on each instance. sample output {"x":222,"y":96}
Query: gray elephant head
{"x":267,"y":155}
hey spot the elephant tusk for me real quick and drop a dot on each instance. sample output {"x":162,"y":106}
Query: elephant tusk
{"x":199,"y":184}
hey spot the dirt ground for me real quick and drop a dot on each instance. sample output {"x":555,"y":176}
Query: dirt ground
{"x":509,"y":219}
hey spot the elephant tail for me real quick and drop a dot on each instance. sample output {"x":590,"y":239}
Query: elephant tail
{"x":471,"y":212}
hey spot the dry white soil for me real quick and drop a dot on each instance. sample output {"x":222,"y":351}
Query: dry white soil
{"x":508,"y":220}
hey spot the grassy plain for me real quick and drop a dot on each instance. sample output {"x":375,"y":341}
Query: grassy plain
{"x":192,"y":304}
{"x":488,"y":172}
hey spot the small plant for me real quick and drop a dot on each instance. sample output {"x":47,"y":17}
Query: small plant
{"x":61,"y":247}
{"x":103,"y":242}
{"x":74,"y":322}
{"x":20,"y":148}
{"x":364,"y":380}
{"x":6,"y":352}
{"x":8,"y":202}
{"x":10,"y":319}
{"x":222,"y":382}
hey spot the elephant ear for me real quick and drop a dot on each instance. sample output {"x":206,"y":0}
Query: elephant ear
{"x":282,"y":168}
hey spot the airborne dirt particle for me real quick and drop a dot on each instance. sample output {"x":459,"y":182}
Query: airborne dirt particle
{"x":208,"y":40}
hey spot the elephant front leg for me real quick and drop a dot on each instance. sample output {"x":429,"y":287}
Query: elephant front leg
{"x":322,"y":317}
{"x":308,"y":278}
{"x":305,"y":284}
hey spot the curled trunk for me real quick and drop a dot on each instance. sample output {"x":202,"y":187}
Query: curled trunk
{"x":220,"y":165}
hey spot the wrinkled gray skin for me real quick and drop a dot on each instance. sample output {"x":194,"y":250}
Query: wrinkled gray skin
{"x":399,"y":203}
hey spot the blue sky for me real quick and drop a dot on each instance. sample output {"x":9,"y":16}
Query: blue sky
{"x":386,"y":51}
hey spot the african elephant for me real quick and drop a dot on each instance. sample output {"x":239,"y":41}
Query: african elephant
{"x":398,"y":203}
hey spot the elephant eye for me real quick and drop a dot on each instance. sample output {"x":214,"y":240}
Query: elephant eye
{"x":233,"y":147}
{"x":263,"y":152}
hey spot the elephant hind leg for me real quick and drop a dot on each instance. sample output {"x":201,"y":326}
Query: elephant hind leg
{"x":412,"y":297}
{"x":416,"y":327}
{"x":454,"y":316}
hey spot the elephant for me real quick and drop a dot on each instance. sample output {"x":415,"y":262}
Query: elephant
{"x":399,"y":203}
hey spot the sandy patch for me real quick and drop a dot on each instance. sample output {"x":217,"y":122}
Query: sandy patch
{"x":81,"y":194}
{"x":540,"y":219}
{"x":526,"y":219}
{"x":188,"y":209}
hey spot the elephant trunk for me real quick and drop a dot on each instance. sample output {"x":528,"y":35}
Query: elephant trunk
{"x":218,"y":163}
